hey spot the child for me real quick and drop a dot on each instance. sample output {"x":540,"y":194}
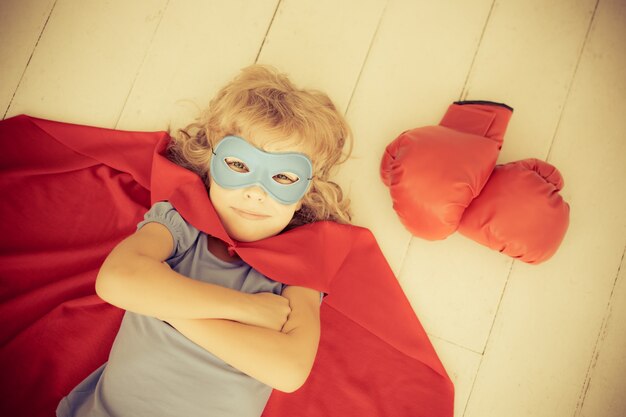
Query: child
{"x":204,"y":333}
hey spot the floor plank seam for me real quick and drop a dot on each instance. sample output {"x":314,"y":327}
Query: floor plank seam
{"x":140,"y":67}
{"x":367,"y":55}
{"x":599,"y":342}
{"x":434,"y":336}
{"x":29,"y":59}
{"x":269,"y":27}
{"x":465,"y":88}
{"x":483,"y":354}
{"x":404,"y":256}
{"x":495,"y":316}
{"x":572,"y":80}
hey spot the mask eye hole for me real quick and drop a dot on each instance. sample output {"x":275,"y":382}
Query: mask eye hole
{"x":286,"y":178}
{"x":236,"y":165}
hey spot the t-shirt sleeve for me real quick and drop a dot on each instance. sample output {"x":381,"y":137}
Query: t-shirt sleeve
{"x":184,"y":234}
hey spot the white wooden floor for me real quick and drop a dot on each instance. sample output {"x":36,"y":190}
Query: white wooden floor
{"x":518,"y":340}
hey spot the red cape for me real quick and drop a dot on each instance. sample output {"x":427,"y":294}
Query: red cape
{"x":72,"y":192}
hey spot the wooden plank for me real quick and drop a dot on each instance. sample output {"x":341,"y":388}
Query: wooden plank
{"x":461,"y":365}
{"x":416,"y":67}
{"x":86,"y":60}
{"x":603,"y":392}
{"x":544,"y":336}
{"x":527,"y":59}
{"x":311,"y":40}
{"x":196,"y":49}
{"x":456,"y":286}
{"x":21,"y":24}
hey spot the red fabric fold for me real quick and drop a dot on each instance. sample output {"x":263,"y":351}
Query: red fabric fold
{"x":73,"y":192}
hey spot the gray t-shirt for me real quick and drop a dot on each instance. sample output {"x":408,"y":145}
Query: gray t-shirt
{"x":153,"y":370}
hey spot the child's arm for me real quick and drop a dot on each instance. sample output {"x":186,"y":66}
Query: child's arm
{"x":282,"y":360}
{"x":134,"y":277}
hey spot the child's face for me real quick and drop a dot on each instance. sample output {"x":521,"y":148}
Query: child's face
{"x":250,"y":213}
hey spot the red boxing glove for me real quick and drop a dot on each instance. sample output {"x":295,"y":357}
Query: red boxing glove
{"x":520,"y":211}
{"x":434,"y":172}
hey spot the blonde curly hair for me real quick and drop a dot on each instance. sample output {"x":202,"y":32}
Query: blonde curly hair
{"x":260,"y":97}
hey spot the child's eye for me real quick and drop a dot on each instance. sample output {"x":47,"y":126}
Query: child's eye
{"x":236,"y":165}
{"x":285,"y":178}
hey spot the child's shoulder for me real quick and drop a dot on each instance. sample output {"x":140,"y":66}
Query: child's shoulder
{"x":163,"y":211}
{"x":184,"y":233}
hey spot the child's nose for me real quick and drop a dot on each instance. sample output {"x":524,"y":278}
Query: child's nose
{"x":255,"y":193}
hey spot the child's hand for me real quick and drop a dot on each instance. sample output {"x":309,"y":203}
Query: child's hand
{"x":269,"y":310}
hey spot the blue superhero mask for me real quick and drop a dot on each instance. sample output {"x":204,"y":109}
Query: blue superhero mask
{"x":284,"y":176}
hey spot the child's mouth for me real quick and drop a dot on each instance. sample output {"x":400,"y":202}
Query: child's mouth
{"x":249,"y":214}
